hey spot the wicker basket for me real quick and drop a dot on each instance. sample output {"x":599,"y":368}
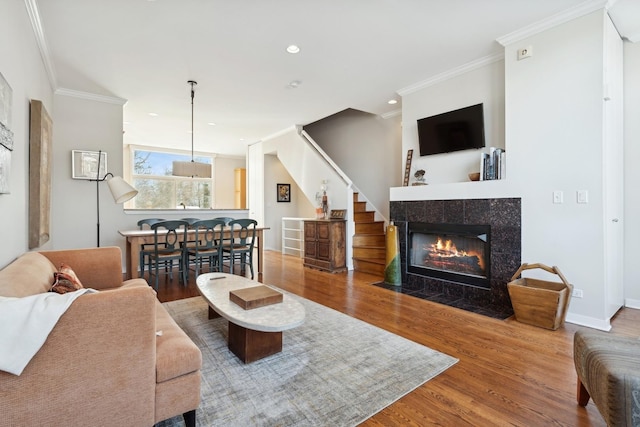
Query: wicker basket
{"x":539,"y":302}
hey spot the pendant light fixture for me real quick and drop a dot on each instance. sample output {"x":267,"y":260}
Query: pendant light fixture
{"x":193,"y":169}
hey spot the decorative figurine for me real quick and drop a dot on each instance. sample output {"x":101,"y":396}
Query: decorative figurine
{"x":419,"y":176}
{"x":325,"y":205}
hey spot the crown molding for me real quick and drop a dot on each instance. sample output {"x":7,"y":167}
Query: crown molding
{"x":293,"y":128}
{"x":38,"y":31}
{"x":555,"y":20}
{"x":391,"y":114}
{"x":634,"y":38}
{"x":464,"y":68}
{"x":90,"y":96}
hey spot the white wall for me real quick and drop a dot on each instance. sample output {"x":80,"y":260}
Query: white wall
{"x":632,"y":173}
{"x":225,"y":180}
{"x":22,"y":68}
{"x":307,"y":169}
{"x":77,"y":124}
{"x":82,"y":124}
{"x":368,"y":150}
{"x":553,"y":140}
{"x":483,"y":85}
{"x":554,"y":132}
{"x":299,"y":207}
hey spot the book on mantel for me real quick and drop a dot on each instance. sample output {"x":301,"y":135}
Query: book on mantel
{"x":493,"y":164}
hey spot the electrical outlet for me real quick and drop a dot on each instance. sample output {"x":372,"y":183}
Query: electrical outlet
{"x":577,"y":293}
{"x":525,"y":52}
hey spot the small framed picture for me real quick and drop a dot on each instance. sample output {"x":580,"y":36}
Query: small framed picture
{"x":84,"y":164}
{"x":338,"y":213}
{"x":284,"y":192}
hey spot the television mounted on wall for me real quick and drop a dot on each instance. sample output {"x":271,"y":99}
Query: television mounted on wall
{"x":456,"y":130}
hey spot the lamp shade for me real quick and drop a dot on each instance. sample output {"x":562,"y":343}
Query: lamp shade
{"x":192,"y":169}
{"x":121,"y":190}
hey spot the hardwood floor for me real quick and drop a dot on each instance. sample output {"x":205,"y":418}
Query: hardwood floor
{"x":508,"y":373}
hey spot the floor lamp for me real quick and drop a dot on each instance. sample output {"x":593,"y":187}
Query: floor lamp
{"x":120,"y":190}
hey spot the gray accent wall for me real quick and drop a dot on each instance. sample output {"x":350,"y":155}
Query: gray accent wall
{"x":367,"y":148}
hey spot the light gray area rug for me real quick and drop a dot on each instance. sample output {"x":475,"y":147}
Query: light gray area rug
{"x":333,"y":370}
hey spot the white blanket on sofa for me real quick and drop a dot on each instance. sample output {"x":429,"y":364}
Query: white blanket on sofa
{"x":26,"y":324}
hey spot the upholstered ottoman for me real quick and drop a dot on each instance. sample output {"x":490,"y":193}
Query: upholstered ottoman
{"x":608,"y":369}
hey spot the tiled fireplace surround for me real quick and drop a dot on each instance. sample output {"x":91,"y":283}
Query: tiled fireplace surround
{"x":504,"y":217}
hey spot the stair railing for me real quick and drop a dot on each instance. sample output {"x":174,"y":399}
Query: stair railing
{"x":340,"y":172}
{"x":324,"y":155}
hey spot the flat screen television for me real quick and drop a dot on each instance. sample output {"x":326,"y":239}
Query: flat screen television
{"x":456,"y":130}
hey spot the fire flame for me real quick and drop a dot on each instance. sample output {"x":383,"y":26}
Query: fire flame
{"x":447,"y":249}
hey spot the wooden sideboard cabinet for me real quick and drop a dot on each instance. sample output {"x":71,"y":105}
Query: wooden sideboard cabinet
{"x":324,"y":245}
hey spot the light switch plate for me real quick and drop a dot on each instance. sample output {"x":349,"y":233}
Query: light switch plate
{"x":582,"y":196}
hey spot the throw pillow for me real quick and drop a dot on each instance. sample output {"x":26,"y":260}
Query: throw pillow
{"x":65,"y":280}
{"x":64,"y":268}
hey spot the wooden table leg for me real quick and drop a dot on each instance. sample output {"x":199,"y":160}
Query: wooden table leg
{"x":134,"y":259}
{"x":260,"y":254}
{"x":127,"y":256}
{"x":213,"y":314}
{"x":250,"y":345}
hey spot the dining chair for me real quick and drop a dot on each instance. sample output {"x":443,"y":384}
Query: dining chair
{"x":167,"y":247}
{"x":226,"y":219}
{"x":145,"y":247}
{"x":239,"y":249}
{"x":208,"y":234}
{"x":190,"y":220}
{"x":192,"y":242}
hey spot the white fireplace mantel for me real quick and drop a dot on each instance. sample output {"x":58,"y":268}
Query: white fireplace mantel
{"x":456,"y":190}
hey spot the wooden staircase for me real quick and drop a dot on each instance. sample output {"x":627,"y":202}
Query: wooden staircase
{"x":369,"y":249}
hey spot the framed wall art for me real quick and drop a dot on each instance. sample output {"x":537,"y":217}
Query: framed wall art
{"x":6,"y":136}
{"x":40,"y":137}
{"x":84,"y":164}
{"x":284,"y":192}
{"x":338,"y":213}
{"x":407,"y":168}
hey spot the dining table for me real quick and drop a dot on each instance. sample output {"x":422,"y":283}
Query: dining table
{"x":136,"y":238}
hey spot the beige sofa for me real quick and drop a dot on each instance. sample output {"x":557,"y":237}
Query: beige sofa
{"x":104,"y":362}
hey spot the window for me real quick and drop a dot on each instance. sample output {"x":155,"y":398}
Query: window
{"x":151,"y":175}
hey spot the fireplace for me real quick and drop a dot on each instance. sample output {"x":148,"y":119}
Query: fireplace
{"x":465,"y":222}
{"x":458,"y":253}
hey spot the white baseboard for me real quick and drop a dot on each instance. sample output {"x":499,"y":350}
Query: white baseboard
{"x":632,"y":303}
{"x":590,"y":322}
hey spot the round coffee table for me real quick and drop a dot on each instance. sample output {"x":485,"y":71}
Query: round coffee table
{"x":255,"y":333}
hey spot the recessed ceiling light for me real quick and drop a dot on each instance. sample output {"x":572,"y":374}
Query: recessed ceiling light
{"x":294,"y":84}
{"x":211,"y":124}
{"x":153,"y":114}
{"x":293,"y":49}
{"x":392,"y":101}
